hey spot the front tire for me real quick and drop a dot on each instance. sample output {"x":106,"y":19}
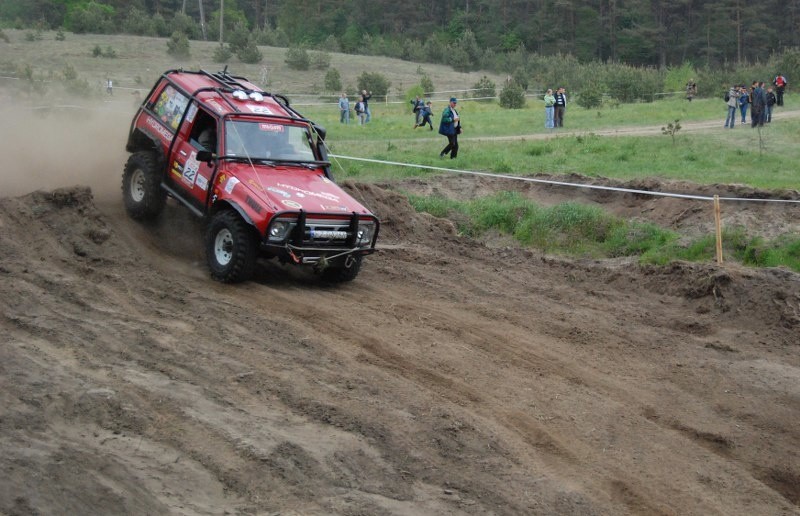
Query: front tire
{"x":141,"y":186}
{"x":345,"y":273}
{"x":231,"y":246}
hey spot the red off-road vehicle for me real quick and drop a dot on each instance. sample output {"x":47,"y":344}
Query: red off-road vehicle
{"x":253,"y":167}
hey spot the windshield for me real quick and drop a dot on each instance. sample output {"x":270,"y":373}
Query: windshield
{"x":267,"y":140}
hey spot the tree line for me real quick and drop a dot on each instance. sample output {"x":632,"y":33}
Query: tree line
{"x":637,"y":32}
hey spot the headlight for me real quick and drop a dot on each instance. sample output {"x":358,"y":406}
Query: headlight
{"x":279,"y":229}
{"x":365,"y":232}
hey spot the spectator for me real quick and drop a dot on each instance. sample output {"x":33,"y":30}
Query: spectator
{"x":771,"y":100}
{"x":560,"y":107}
{"x":744,"y":100}
{"x":732,"y":102}
{"x":366,"y":96}
{"x":109,"y":86}
{"x":426,"y":113}
{"x":361,"y":111}
{"x":549,"y":109}
{"x":758,"y":101}
{"x":691,"y":90}
{"x":344,"y":109}
{"x":450,"y":126}
{"x":416,"y":105}
{"x":780,"y":83}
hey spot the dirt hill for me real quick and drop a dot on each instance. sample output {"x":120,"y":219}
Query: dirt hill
{"x":452,"y":377}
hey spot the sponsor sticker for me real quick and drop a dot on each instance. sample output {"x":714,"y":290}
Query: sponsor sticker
{"x":190,"y":169}
{"x":279,"y":191}
{"x":160,"y":129}
{"x":324,"y":195}
{"x":328,"y":207}
{"x":202,"y":182}
{"x":292,"y":204}
{"x":229,"y":186}
{"x":272,"y":128}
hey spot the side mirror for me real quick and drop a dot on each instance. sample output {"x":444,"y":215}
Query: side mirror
{"x":205,"y":156}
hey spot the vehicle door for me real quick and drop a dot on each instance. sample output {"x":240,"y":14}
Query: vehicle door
{"x":189,"y":177}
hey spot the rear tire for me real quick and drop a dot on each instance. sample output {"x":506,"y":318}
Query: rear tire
{"x":231,"y":246}
{"x":345,"y":273}
{"x":141,"y":186}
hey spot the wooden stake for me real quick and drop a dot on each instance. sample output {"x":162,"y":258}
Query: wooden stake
{"x":718,"y":224}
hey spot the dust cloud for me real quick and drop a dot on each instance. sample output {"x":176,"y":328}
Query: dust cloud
{"x":44,"y":147}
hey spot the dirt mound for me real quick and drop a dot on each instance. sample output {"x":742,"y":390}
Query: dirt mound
{"x":690,"y":217}
{"x":451,"y":377}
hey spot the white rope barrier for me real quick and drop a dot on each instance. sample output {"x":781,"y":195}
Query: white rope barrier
{"x":563,"y":183}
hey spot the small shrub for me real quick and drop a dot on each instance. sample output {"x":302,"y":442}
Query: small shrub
{"x":320,"y":60}
{"x":250,"y":53}
{"x":485,"y":88}
{"x":297,"y":58}
{"x":671,"y":130}
{"x":59,"y":35}
{"x":427,"y":84}
{"x":222,"y":53}
{"x":97,"y":51}
{"x":374,"y":82}
{"x":512,"y":96}
{"x":178,"y":45}
{"x":333,"y":80}
{"x":110,"y":53}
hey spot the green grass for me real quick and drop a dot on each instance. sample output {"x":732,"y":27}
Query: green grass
{"x":587,"y":231}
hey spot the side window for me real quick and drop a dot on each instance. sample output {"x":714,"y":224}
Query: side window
{"x":169,"y":106}
{"x":204,"y":131}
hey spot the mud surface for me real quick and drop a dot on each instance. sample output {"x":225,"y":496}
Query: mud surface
{"x":453,"y":376}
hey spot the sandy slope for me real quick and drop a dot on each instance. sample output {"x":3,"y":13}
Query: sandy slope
{"x":452,"y":377}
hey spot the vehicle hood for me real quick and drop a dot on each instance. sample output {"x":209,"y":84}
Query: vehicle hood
{"x":284,"y":188}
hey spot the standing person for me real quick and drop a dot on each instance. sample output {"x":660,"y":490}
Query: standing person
{"x":109,"y":86}
{"x":732,"y":102}
{"x":771,"y":100}
{"x":361,"y":111}
{"x":549,"y":109}
{"x":365,"y":98}
{"x":450,"y":126}
{"x":744,"y":100}
{"x":344,"y":109}
{"x":691,"y":90}
{"x":758,"y":101}
{"x":416,"y":105}
{"x":426,"y":113}
{"x":780,"y":83}
{"x":560,"y":107}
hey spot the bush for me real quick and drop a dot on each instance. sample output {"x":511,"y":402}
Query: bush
{"x":92,"y":17}
{"x":297,"y":58}
{"x":138,"y":22}
{"x":178,"y":45}
{"x":591,"y":96}
{"x":59,"y":35}
{"x":186,"y":24}
{"x":4,"y":36}
{"x":427,"y":85}
{"x":333,"y":80}
{"x":374,"y":82}
{"x":222,"y":54}
{"x":484,"y":88}
{"x":320,"y":60}
{"x":250,"y":53}
{"x":512,"y":96}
